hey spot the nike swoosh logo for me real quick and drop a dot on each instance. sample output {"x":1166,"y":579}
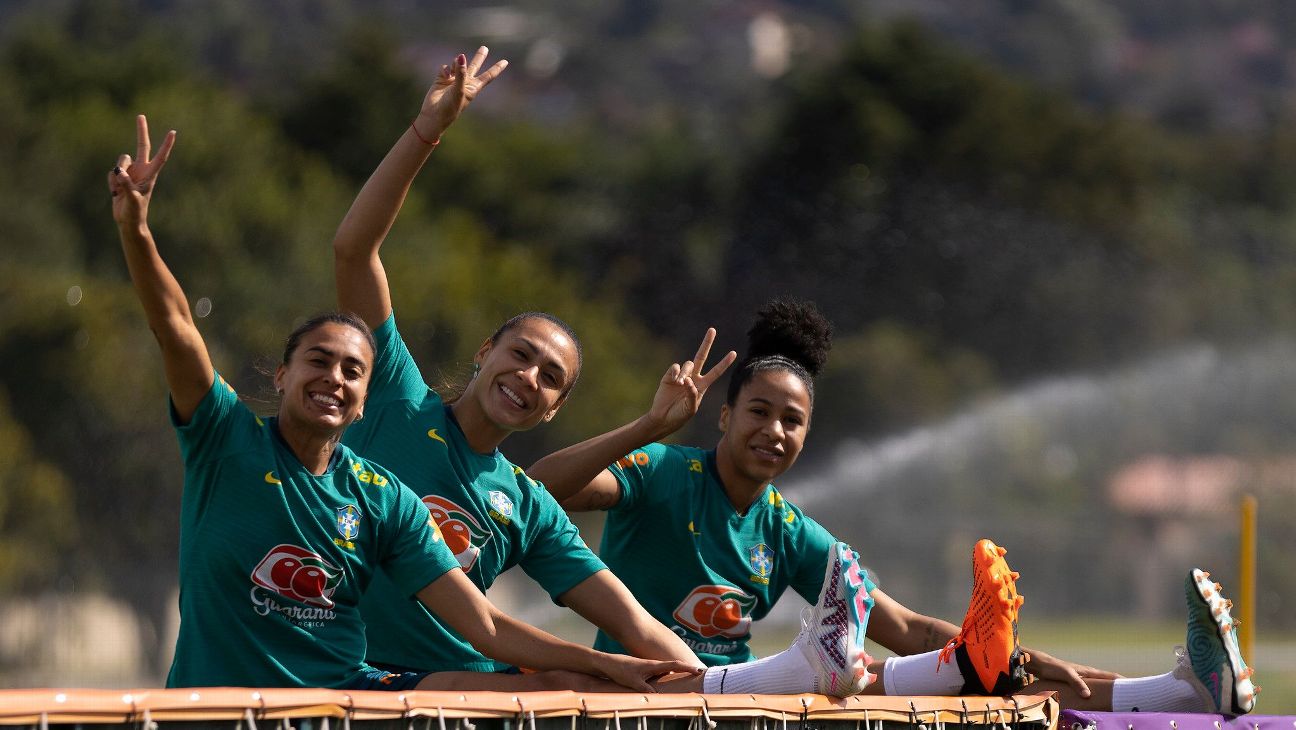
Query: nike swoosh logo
{"x":271,"y":479}
{"x":432,"y":434}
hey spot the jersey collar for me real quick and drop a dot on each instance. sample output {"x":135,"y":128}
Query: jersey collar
{"x":334,"y":460}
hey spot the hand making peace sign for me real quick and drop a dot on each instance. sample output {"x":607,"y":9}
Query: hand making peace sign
{"x":455,"y":87}
{"x":131,"y":181}
{"x":679,"y":395}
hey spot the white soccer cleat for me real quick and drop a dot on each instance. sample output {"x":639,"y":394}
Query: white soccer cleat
{"x":832,"y":630}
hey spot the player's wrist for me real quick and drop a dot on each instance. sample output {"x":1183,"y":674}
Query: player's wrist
{"x":650,"y":427}
{"x":431,"y":140}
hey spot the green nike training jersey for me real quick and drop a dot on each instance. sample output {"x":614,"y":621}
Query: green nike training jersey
{"x":697,"y":565}
{"x":492,"y":515}
{"x":273,"y":559}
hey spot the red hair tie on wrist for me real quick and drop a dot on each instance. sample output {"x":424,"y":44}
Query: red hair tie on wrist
{"x":433,"y":143}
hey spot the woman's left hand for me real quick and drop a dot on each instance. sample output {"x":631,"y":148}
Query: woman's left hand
{"x":1045,"y":666}
{"x":634,"y":673}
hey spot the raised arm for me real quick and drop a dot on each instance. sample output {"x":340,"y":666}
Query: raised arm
{"x":184,"y":354}
{"x":361,"y":280}
{"x":456,"y":600}
{"x":577,"y":476}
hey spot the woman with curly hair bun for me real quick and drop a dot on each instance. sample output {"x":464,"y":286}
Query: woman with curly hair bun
{"x":708,"y":544}
{"x":446,"y":450}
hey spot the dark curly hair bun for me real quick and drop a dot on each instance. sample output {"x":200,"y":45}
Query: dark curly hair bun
{"x":792,"y":328}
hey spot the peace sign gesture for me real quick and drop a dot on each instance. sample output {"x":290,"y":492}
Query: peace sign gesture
{"x":679,"y":395}
{"x":455,"y":87}
{"x":131,"y":181}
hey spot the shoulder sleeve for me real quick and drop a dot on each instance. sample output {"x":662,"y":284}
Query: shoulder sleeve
{"x":811,"y":544}
{"x":208,"y":432}
{"x":395,"y":375}
{"x":413,"y":553}
{"x":554,"y":554}
{"x":644,"y":474}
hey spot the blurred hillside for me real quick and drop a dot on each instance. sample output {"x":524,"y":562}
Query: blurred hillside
{"x":1056,"y":239}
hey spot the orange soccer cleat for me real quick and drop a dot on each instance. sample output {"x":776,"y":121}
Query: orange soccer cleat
{"x":986,"y":648}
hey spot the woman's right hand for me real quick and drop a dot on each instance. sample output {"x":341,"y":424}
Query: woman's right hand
{"x":679,"y":395}
{"x":634,"y":673}
{"x":131,"y":181}
{"x":455,"y":87}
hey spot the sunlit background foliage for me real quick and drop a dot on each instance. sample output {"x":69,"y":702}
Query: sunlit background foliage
{"x":1058,"y":241}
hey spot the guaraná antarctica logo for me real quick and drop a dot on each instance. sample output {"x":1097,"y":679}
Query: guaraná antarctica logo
{"x":300,"y":575}
{"x":716,"y":611}
{"x":463,"y":534}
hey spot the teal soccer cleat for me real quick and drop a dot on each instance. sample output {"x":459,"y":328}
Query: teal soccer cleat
{"x":1213,"y":660}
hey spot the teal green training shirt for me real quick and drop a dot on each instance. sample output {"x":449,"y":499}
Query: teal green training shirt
{"x":697,"y":565}
{"x":493,"y":516}
{"x":273,"y":559}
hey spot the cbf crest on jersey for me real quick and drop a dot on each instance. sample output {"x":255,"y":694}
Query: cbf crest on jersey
{"x":761,"y":560}
{"x":348,"y":521}
{"x":501,"y":507}
{"x":348,"y":526}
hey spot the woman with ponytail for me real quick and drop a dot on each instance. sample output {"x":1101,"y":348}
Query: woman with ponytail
{"x":708,"y":544}
{"x":282,"y":527}
{"x":447,"y":451}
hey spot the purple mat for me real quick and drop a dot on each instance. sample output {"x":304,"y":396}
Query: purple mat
{"x":1087,"y":720}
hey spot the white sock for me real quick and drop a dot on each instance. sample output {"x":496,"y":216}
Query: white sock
{"x":916,"y":676}
{"x":1162,"y":693}
{"x":787,"y":672}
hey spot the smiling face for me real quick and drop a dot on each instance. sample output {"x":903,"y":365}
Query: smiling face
{"x":524,"y":375}
{"x":324,"y":383}
{"x":764,"y":429}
